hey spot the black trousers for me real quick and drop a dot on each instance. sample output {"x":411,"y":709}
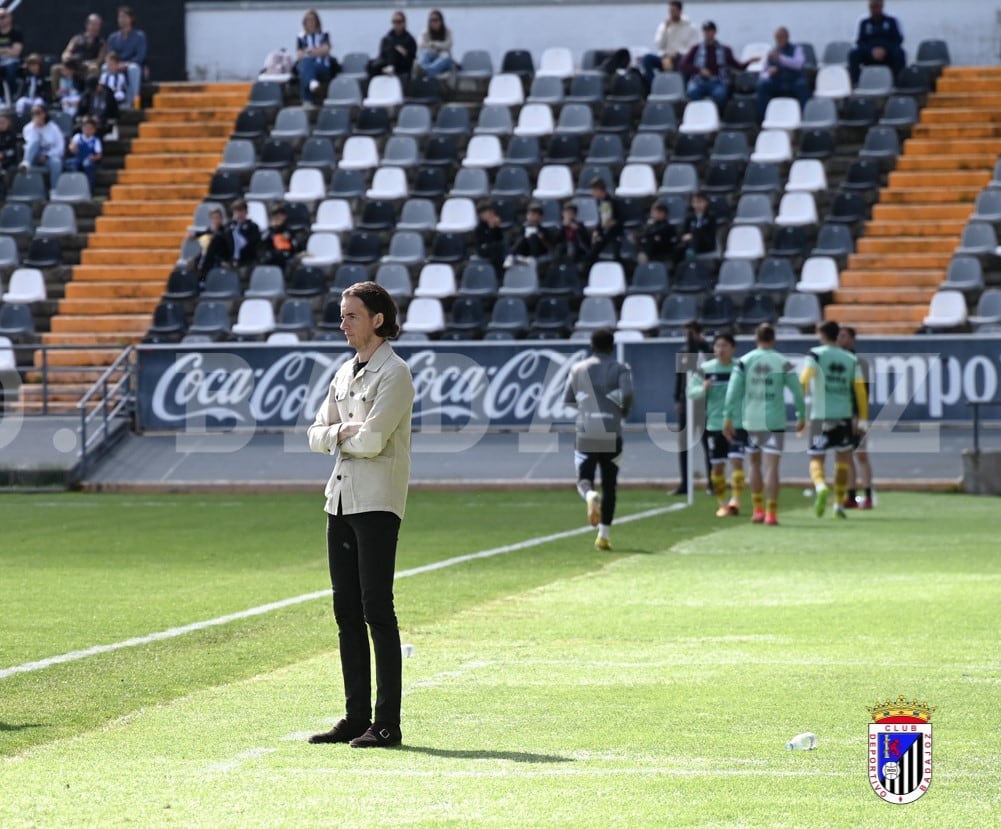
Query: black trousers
{"x":607,"y":463}
{"x":361,"y":550}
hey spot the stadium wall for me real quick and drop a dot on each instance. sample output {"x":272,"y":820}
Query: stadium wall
{"x":519,"y":384}
{"x":229,"y":40}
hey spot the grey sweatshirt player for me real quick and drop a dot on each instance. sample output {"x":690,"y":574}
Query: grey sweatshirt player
{"x":601,"y":388}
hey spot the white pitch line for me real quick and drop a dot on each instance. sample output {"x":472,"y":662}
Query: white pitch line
{"x":174,"y":632}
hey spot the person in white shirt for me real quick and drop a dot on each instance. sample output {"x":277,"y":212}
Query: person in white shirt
{"x":675,"y":36}
{"x":44,"y":145}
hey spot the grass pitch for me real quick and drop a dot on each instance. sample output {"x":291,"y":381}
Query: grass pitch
{"x":551,"y":686}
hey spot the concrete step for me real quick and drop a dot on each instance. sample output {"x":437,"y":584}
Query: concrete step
{"x":952,"y":146}
{"x":883,"y":296}
{"x":165,"y":161}
{"x":182,"y":115}
{"x":156,"y":192}
{"x":107,"y":305}
{"x":81,"y":359}
{"x":918,"y":212}
{"x":104,"y":290}
{"x":163,"y":207}
{"x":928,"y":195}
{"x":900,"y":260}
{"x":142,"y":224}
{"x":912,"y":244}
{"x":196,"y":173}
{"x":90,"y":338}
{"x":906,"y":179}
{"x":856,"y":313}
{"x":121,"y":324}
{"x":122,"y":273}
{"x":196,"y":129}
{"x":179,"y":100}
{"x":136,"y":242}
{"x":891,"y":228}
{"x":929,"y":278}
{"x":946,"y":163}
{"x":182,"y":146}
{"x":164,"y":256}
{"x":956,"y":131}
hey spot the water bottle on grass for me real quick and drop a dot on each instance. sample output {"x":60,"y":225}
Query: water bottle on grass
{"x":802,"y":742}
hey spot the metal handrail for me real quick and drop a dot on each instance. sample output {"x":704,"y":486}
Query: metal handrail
{"x":977,"y":405}
{"x":114,"y":400}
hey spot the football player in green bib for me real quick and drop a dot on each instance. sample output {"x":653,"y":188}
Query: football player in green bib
{"x":755,"y":397}
{"x":839,"y":410}
{"x":709,"y":383}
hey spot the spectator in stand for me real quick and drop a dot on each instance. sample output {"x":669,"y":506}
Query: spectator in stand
{"x":86,"y":49}
{"x":608,"y":233}
{"x":213,"y":243}
{"x":9,"y":148}
{"x":708,"y":65}
{"x":69,"y":87}
{"x":880,"y":42}
{"x":44,"y":145}
{"x":11,"y":48}
{"x":434,"y":55}
{"x":279,"y":244}
{"x":98,"y":102}
{"x":129,"y":43}
{"x":397,"y":50}
{"x":698,"y":236}
{"x":312,"y":55}
{"x":86,"y":151}
{"x":675,"y":36}
{"x":573,"y":240}
{"x":33,"y":88}
{"x":490,"y":244}
{"x":534,"y":243}
{"x":783,"y":73}
{"x":244,"y":236}
{"x":658,"y":240}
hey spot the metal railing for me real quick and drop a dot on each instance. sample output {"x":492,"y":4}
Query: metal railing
{"x":976,"y":406}
{"x":108,"y":399}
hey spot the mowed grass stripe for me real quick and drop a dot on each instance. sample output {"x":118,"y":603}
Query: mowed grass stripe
{"x":641,"y":693}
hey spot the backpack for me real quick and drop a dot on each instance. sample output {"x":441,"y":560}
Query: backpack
{"x":278,"y":63}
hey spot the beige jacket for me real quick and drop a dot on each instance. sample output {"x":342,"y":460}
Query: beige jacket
{"x":372,"y":470}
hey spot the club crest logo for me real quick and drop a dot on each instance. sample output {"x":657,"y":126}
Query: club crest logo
{"x":900,"y":749}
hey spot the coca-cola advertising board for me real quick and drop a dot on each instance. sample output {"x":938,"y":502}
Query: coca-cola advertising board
{"x":520,"y":384}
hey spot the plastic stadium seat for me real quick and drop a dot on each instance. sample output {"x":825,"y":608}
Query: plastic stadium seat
{"x":552,"y":317}
{"x":933,"y":55}
{"x":646,"y":148}
{"x":546,"y":89}
{"x":168,"y":319}
{"x":344,"y":277}
{"x":256,"y":318}
{"x":423,"y":89}
{"x":519,"y":62}
{"x":265,"y":185}
{"x":691,"y":149}
{"x":693,"y":276}
{"x":359,"y":153}
{"x":436,"y":281}
{"x":275,"y":155}
{"x":606,"y":279}
{"x":575,"y":119}
{"x":413,"y":120}
{"x":649,"y":278}
{"x":736,"y":277}
{"x":453,"y":119}
{"x":383,"y":91}
{"x":458,"y":215}
{"x":306,"y":185}
{"x":292,"y":124}
{"x":836,"y":52}
{"x":424,"y":316}
{"x":561,"y":280}
{"x":586,"y":89}
{"x":744,"y":242}
{"x":266,"y":95}
{"x":322,"y":250}
{"x":238,"y":156}
{"x":900,"y":113}
{"x":988,"y":308}
{"x":639,"y":313}
{"x":862,"y":175}
{"x":343,"y":91}
{"x":476,"y":66}
{"x":680,"y":179}
{"x":756,"y":309}
{"x":848,"y":208}
{"x":819,"y":275}
{"x":307,"y":281}
{"x":965,"y":274}
{"x":816,"y":143}
{"x":754,"y":209}
{"x":470,"y":183}
{"x":782,"y":114}
{"x":535,"y":119}
{"x":505,"y":89}
{"x":834,"y":240}
{"x":395,"y":278}
{"x":677,"y":311}
{"x":44,"y":252}
{"x":494,"y":120}
{"x":511,"y":182}
{"x":406,"y":247}
{"x":211,"y":317}
{"x":819,"y":113}
{"x":523,"y":151}
{"x":388,"y":183}
{"x":333,"y":216}
{"x":772,"y":146}
{"x":626,"y":88}
{"x":874,"y":82}
{"x":658,"y":117}
{"x":806,"y":175}
{"x":797,"y":209}
{"x":596,"y":312}
{"x":266,"y":282}
{"x":222,"y":285}
{"x":182,"y":284}
{"x":520,"y":281}
{"x":401,"y":151}
{"x":251,"y":123}
{"x":295,"y":316}
{"x":801,"y":311}
{"x":467,"y":319}
{"x":978,"y":239}
{"x":717,"y":311}
{"x":730,"y":145}
{"x":429,"y":183}
{"x":347,"y":184}
{"x":9,"y":256}
{"x":58,"y":219}
{"x":26,"y":285}
{"x":986,"y":209}
{"x":722,"y":177}
{"x":882,"y":144}
{"x":478,"y":279}
{"x":946,"y":310}
{"x":700,"y":117}
{"x":441,"y":151}
{"x":556,"y":62}
{"x":858,"y":113}
{"x":483,"y":151}
{"x":563,"y":149}
{"x":555,"y":181}
{"x":741,"y":113}
{"x":615,"y":117}
{"x":28,"y":186}
{"x":776,"y":276}
{"x":333,"y":122}
{"x":762,"y":177}
{"x":637,"y":180}
{"x":72,"y":187}
{"x":448,"y":247}
{"x":832,"y":81}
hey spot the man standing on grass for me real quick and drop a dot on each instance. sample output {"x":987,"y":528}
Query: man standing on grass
{"x":839,"y":410}
{"x":756,"y":395}
{"x":601,"y":389}
{"x":366,"y":420}
{"x":709,"y":382}
{"x":859,"y":467}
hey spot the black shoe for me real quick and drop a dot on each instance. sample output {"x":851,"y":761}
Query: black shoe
{"x":344,"y":732}
{"x":681,"y":490}
{"x":379,"y":735}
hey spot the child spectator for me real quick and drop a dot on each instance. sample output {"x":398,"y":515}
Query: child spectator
{"x":44,"y":145}
{"x":534,"y":242}
{"x":86,"y":151}
{"x":99,"y":104}
{"x":489,"y":236}
{"x":69,"y":88}
{"x":115,"y":79}
{"x":280,"y":244}
{"x":573,"y":243}
{"x":658,"y":239}
{"x":608,"y":233}
{"x":698,"y":235}
{"x":33,"y":88}
{"x":8,"y":146}
{"x":213,"y":244}
{"x":243,"y":237}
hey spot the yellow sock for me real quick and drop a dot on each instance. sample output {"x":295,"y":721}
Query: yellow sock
{"x":718,"y":478}
{"x":840,"y":482}
{"x":737,"y":482}
{"x":772,"y":507}
{"x":758,"y":500}
{"x":817,"y":471}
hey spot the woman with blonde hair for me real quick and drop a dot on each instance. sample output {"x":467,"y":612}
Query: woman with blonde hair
{"x":312,"y":54}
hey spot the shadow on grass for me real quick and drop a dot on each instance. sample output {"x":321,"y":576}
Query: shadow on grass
{"x":473,"y":754}
{"x":6,"y":726}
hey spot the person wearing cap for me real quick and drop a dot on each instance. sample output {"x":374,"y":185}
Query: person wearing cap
{"x":708,"y":67}
{"x":674,"y":37}
{"x":782,"y":74}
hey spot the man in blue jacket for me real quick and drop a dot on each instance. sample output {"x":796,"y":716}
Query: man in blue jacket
{"x":879,"y":42}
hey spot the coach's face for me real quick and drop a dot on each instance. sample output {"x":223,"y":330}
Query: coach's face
{"x":359,"y":326}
